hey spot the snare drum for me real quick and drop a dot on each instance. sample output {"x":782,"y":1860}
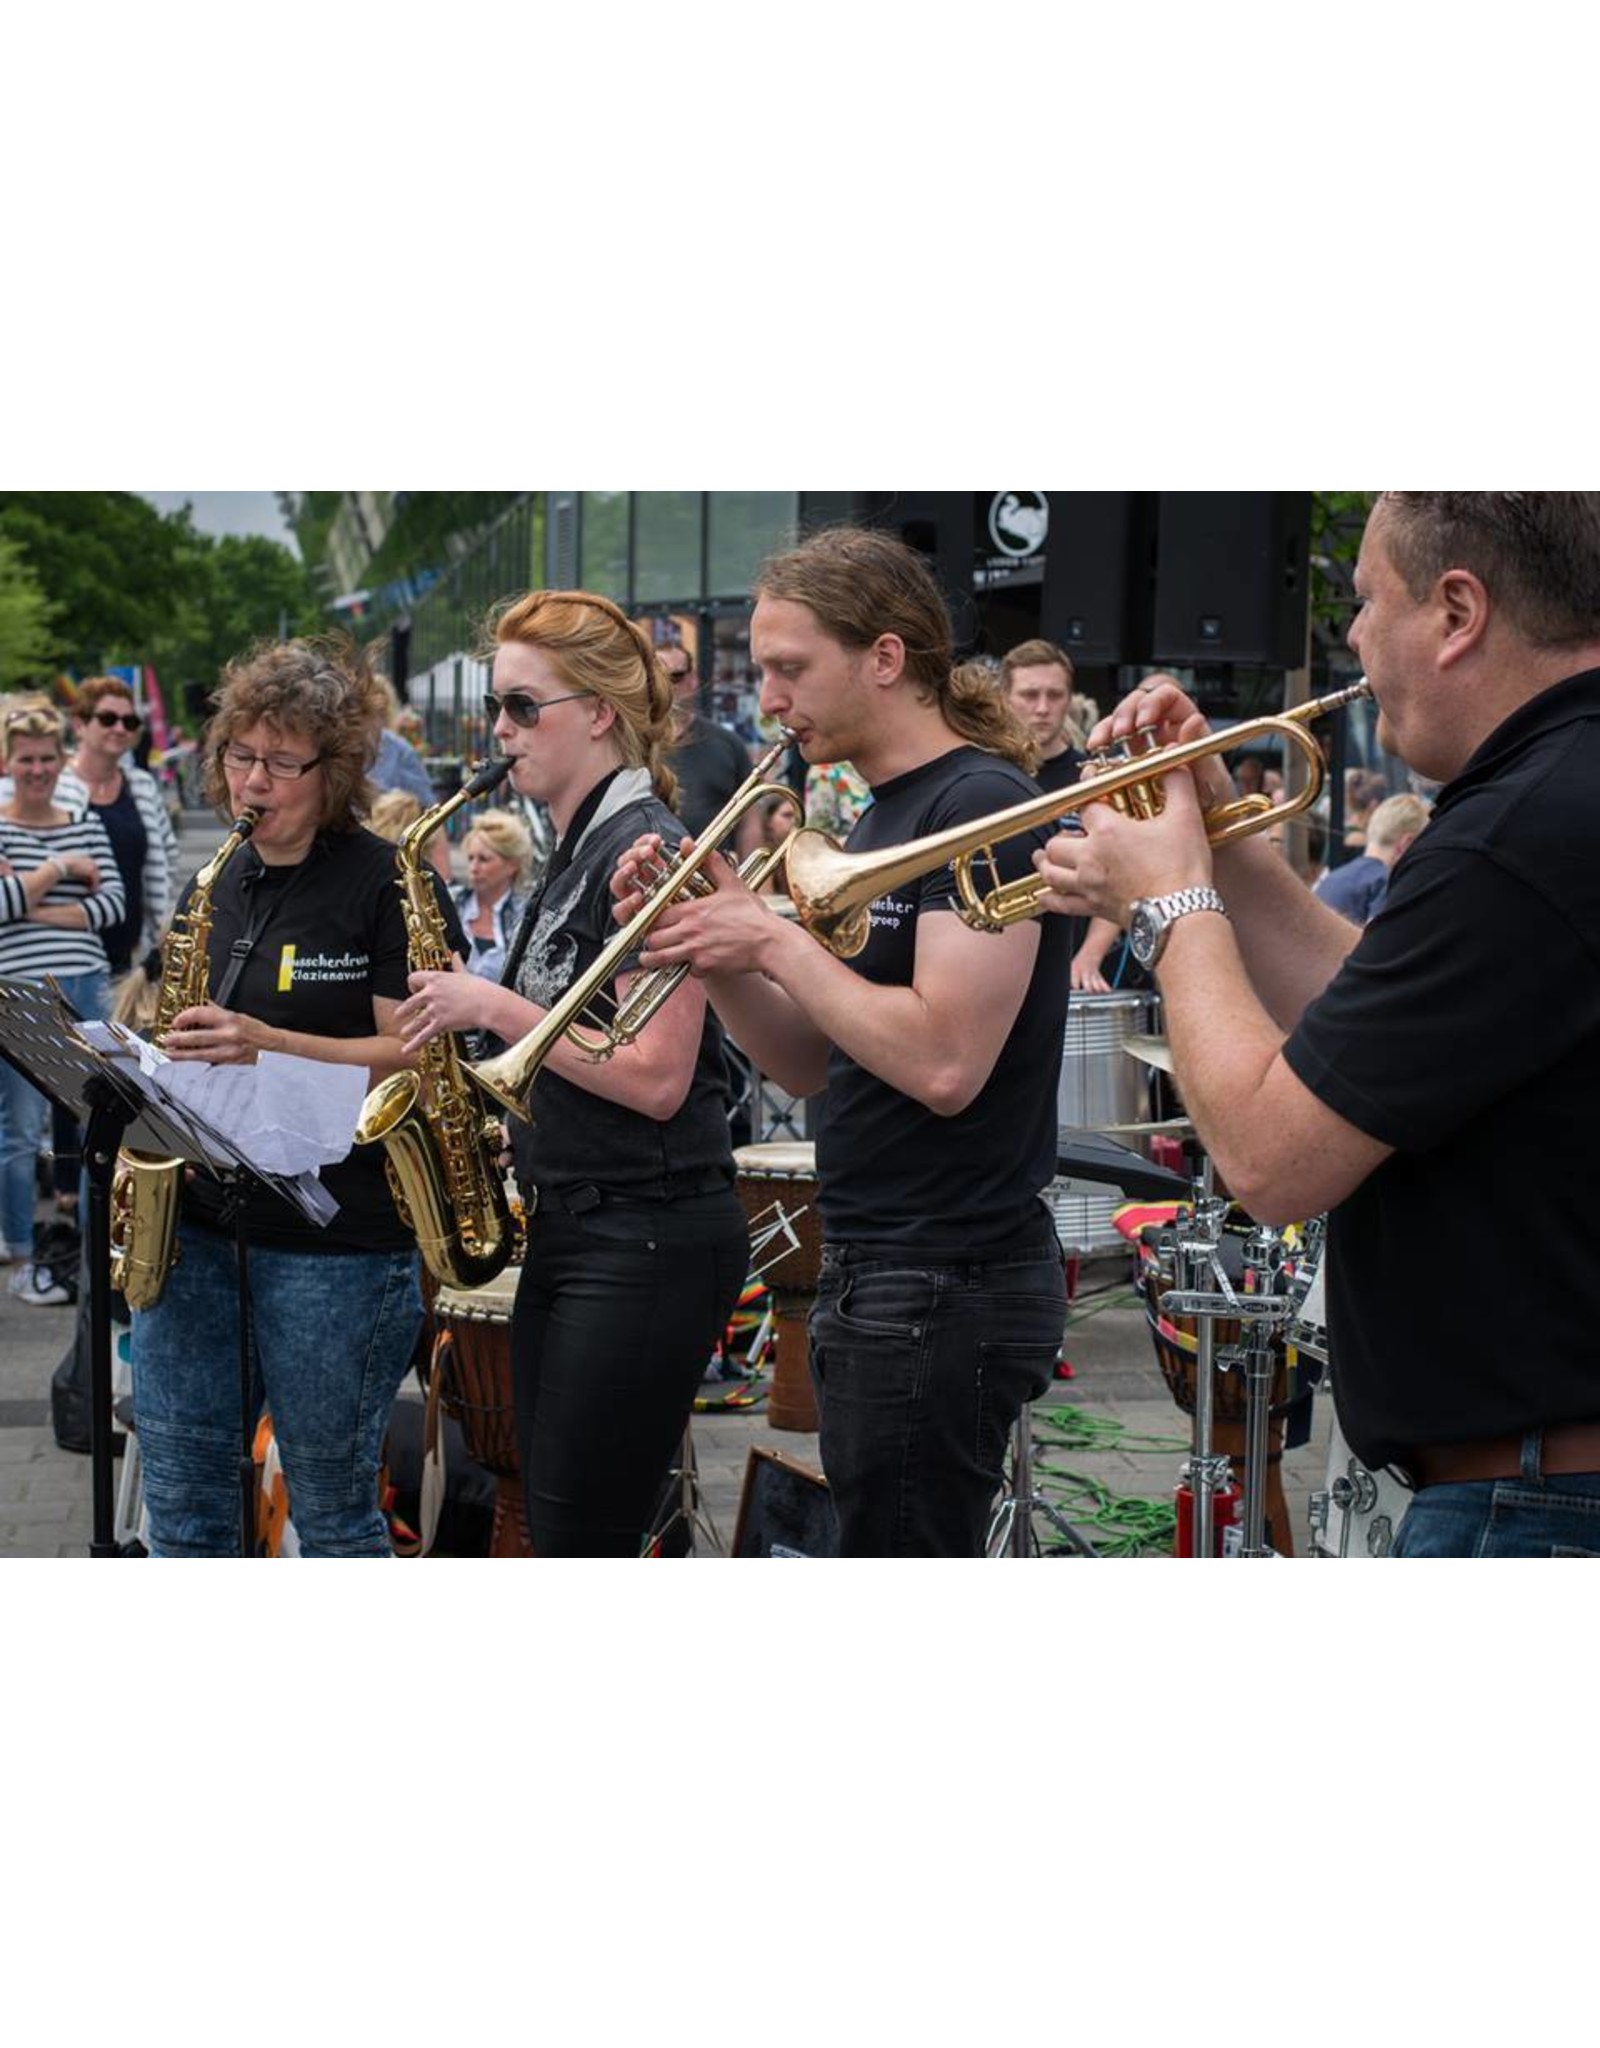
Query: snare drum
{"x":777,"y":1183}
{"x":472,"y":1356}
{"x":1359,"y":1512}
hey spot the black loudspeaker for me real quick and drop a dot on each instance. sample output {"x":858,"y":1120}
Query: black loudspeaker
{"x":1232,"y":577}
{"x":1097,"y":572}
{"x":937,"y":524}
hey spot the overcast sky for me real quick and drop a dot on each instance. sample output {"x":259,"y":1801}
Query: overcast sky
{"x":220,"y":512}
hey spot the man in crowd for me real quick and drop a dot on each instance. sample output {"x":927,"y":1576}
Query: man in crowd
{"x":936,"y":1051}
{"x":1357,"y":889}
{"x":709,"y":760}
{"x":1037,"y":678}
{"x":1397,"y":1076}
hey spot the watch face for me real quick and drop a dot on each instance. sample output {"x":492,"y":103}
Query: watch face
{"x":1143,"y":932}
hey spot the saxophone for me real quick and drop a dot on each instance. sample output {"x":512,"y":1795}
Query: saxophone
{"x":442,"y":1148}
{"x":146,"y":1190}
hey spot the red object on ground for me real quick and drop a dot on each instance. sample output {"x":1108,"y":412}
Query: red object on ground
{"x":1227,"y":1505}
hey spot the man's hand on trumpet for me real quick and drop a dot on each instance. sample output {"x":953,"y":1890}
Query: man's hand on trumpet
{"x":1102,"y":870}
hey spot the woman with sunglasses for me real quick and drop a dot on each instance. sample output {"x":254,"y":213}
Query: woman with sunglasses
{"x":128,"y":802}
{"x":637,"y":1244}
{"x":308,"y":956}
{"x":59,"y":890}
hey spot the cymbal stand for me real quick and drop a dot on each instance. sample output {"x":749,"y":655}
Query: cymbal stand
{"x":1011,"y":1530}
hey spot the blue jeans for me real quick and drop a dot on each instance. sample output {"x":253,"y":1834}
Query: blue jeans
{"x":24,"y":1119}
{"x":921,"y":1369}
{"x":1530,"y":1516}
{"x":334,"y":1333}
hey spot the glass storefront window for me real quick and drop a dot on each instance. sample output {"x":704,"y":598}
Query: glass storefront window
{"x":603,"y":544}
{"x":743,"y":527}
{"x":666,"y":539}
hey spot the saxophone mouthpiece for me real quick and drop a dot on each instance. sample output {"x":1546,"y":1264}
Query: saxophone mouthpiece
{"x":489,"y":775}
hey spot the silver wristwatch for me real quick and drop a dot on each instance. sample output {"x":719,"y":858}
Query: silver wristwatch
{"x":1153,"y":917}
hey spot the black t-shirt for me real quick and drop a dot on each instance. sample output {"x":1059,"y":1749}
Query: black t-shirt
{"x":891,"y":1171}
{"x":710,"y":763}
{"x":129,"y":844}
{"x":1060,"y":771}
{"x":576,"y":1137}
{"x":333,"y":937}
{"x":1464,"y":1029}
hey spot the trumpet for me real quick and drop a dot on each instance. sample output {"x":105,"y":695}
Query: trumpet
{"x":509,"y":1077}
{"x":833,"y":891}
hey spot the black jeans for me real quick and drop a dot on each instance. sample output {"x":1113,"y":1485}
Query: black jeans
{"x":616,"y":1316}
{"x":921,"y":1368}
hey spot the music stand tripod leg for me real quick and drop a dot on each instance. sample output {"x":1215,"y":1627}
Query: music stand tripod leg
{"x":108,"y":1120}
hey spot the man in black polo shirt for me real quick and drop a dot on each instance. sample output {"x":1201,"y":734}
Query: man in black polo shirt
{"x":1441,"y":1107}
{"x":936,"y":1051}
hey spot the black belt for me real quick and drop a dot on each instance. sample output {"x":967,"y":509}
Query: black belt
{"x":579,"y":1197}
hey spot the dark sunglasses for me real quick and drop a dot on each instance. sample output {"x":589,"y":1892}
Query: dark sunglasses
{"x":130,"y":721}
{"x":521,"y":710}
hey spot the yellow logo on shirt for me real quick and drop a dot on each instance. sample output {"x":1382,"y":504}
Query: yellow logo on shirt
{"x":286,"y":969}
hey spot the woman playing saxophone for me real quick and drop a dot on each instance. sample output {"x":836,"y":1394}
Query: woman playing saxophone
{"x":307,"y":954}
{"x":637,"y":1244}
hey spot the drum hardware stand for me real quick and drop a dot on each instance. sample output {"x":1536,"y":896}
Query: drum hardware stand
{"x":690,"y":1506}
{"x":1263,"y":1263}
{"x":1011,"y":1530}
{"x":1256,"y":1311}
{"x":1194,"y":1262}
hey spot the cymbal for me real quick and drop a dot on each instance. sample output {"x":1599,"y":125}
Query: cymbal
{"x":1156,"y":1052}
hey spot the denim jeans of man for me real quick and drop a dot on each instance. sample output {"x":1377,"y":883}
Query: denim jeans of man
{"x":333,"y":1333}
{"x":921,"y":1368}
{"x":1533,"y":1515}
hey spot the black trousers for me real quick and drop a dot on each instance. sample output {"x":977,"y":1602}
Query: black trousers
{"x":617,"y":1313}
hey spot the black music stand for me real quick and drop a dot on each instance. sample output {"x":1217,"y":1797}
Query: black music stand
{"x":39,"y":1036}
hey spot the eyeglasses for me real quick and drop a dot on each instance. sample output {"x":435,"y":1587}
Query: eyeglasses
{"x":525,"y":711}
{"x":130,"y":721}
{"x":281,"y":767}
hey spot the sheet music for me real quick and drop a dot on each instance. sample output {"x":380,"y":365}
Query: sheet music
{"x":280,"y":1119}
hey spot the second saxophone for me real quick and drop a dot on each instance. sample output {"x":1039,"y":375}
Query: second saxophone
{"x":442,"y":1148}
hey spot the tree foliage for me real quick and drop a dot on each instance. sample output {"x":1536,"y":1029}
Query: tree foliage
{"x":121,"y":582}
{"x":111,"y":565}
{"x":25,"y":621}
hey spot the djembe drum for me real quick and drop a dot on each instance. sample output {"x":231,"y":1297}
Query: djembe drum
{"x":472,"y":1364}
{"x":777,"y":1183}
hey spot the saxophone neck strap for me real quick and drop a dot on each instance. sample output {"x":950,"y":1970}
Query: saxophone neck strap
{"x":263,"y":905}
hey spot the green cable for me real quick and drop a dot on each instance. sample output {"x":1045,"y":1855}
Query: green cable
{"x":1119,"y":1525}
{"x":1076,"y":1429}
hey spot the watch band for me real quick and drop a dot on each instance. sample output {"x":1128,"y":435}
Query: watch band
{"x":1182,"y":901}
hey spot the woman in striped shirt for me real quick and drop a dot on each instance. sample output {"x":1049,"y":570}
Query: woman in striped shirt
{"x":59,"y":888}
